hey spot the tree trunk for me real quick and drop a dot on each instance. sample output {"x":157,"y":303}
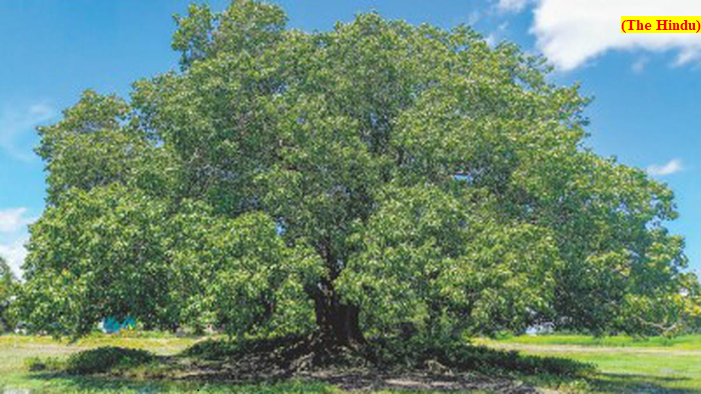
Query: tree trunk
{"x":338,"y":323}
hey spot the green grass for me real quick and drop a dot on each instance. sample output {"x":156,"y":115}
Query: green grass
{"x":16,"y":351}
{"x":685,"y":342}
{"x":97,"y":385}
{"x":625,"y":365}
{"x":159,"y":344}
{"x":653,"y":365}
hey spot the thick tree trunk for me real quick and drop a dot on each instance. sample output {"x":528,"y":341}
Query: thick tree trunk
{"x":338,"y":323}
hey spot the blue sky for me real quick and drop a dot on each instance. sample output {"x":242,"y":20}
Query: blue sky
{"x":645,"y":86}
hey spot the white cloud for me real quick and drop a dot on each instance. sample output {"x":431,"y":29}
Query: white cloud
{"x":13,"y":235}
{"x":12,"y":220}
{"x":14,"y":253}
{"x":672,"y":167}
{"x":496,"y":36}
{"x":513,"y":5}
{"x":572,"y":32}
{"x":14,"y":123}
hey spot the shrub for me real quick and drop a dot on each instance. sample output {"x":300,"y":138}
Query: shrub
{"x":36,"y":364}
{"x":211,"y":349}
{"x":104,"y":359}
{"x":477,"y":358}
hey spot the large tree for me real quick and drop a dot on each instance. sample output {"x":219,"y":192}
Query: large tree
{"x":369,"y":178}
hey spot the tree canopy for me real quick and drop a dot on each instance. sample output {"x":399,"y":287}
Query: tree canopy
{"x":348,"y":182}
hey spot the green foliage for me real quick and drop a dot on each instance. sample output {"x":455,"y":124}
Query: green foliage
{"x":225,"y":349}
{"x":91,"y":147}
{"x":378,"y":177}
{"x":100,"y":253}
{"x":463,"y":267}
{"x":211,"y":349}
{"x":9,"y":288}
{"x":247,"y":278}
{"x":248,"y":26}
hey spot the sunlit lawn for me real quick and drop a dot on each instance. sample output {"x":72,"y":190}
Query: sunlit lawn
{"x":624,"y":363}
{"x":684,"y":342}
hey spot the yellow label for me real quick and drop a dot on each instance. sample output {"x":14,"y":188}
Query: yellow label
{"x":660,"y":24}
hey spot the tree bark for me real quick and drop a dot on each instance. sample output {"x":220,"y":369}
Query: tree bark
{"x":338,"y":322}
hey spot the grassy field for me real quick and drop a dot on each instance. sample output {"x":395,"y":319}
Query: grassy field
{"x":627,"y":365}
{"x":685,"y":342}
{"x":15,"y":378}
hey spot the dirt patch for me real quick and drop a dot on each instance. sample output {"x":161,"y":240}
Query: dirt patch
{"x":415,"y":381}
{"x":361,"y":379}
{"x":351,"y":379}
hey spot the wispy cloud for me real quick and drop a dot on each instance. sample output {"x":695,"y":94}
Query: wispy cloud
{"x":571,"y":33}
{"x":15,"y":123}
{"x":13,"y":236}
{"x":14,"y":219}
{"x":672,"y":167}
{"x":15,"y":253}
{"x":497,"y":35}
{"x":512,"y":5}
